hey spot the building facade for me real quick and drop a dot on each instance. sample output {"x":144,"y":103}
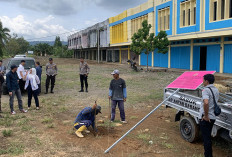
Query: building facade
{"x":200,"y":34}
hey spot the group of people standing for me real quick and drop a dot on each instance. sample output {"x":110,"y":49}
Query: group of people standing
{"x":18,"y":80}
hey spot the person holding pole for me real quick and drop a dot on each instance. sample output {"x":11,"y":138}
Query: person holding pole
{"x":85,"y":119}
{"x":209,"y":93}
{"x":118,"y":95}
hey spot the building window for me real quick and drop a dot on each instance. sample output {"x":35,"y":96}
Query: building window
{"x":136,"y":23}
{"x":188,"y":13}
{"x":164,"y":19}
{"x":215,"y":11}
{"x":222,"y":9}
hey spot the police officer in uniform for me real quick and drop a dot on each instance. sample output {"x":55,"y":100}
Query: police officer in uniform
{"x":51,"y":72}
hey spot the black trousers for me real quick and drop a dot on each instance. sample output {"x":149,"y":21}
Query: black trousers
{"x":53,"y":80}
{"x":21,"y":85}
{"x":35,"y":94}
{"x":82,"y":79}
{"x":206,"y":129}
{"x":39,"y":89}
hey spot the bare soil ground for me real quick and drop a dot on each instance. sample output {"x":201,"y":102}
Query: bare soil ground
{"x":49,"y":131}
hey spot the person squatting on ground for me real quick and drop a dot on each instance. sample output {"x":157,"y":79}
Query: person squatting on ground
{"x":21,"y":73}
{"x":207,"y":112}
{"x":1,"y":82}
{"x":118,"y":95}
{"x":51,"y":72}
{"x":86,"y":118}
{"x":31,"y":85}
{"x":12,"y":82}
{"x":39,"y":74}
{"x":84,"y":72}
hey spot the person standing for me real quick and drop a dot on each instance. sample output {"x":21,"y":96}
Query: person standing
{"x":118,"y":95}
{"x":2,"y":68}
{"x":12,"y":82}
{"x":51,"y":72}
{"x":207,"y":116}
{"x":21,"y":73}
{"x":39,"y":74}
{"x":32,"y":82}
{"x":1,"y":82}
{"x":84,"y":72}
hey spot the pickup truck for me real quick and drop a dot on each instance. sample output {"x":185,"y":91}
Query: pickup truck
{"x":187,"y":103}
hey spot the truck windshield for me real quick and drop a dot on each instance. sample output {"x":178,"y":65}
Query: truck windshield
{"x":29,"y":64}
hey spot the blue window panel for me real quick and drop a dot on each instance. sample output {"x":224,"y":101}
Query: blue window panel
{"x":180,"y":57}
{"x":164,"y":5}
{"x":228,"y":59}
{"x":188,"y":29}
{"x":216,"y":24}
{"x":160,"y":60}
{"x":213,"y":58}
{"x":196,"y":58}
{"x":143,"y":58}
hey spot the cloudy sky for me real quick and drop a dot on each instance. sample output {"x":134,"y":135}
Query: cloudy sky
{"x":36,"y":19}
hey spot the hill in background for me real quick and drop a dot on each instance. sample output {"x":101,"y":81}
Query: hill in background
{"x":51,"y":43}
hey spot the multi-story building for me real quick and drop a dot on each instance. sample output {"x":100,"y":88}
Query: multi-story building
{"x":200,"y":34}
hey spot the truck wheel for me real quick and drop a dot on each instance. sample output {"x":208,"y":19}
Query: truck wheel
{"x":189,"y":129}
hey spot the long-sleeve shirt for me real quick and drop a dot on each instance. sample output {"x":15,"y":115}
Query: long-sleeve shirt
{"x":19,"y":70}
{"x":86,"y":114}
{"x":84,"y":68}
{"x":1,"y":82}
{"x":39,"y":72}
{"x":51,"y":69}
{"x":117,"y":89}
{"x":2,"y":69}
{"x":12,"y":81}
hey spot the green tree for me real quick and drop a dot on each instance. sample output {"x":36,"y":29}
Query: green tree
{"x":145,"y":42}
{"x":57,"y":43}
{"x":4,"y":36}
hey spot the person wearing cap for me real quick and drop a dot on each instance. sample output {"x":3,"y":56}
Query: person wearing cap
{"x":85,"y":119}
{"x":21,"y":72}
{"x":118,"y":95}
{"x":12,"y":82}
{"x":51,"y":72}
{"x":84,"y":72}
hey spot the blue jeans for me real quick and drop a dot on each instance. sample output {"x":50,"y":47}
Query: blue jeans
{"x":86,"y":123}
{"x":120,"y":104}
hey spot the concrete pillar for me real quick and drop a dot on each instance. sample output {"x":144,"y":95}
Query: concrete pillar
{"x":107,"y":55}
{"x":101,"y":55}
{"x":222,"y":55}
{"x":113,"y":56}
{"x":152,"y":63}
{"x":169,"y":56}
{"x":120,"y":56}
{"x":139,"y":59}
{"x":191,"y":55}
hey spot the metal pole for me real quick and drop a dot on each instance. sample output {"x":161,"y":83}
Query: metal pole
{"x":98,"y":45}
{"x":139,"y":122}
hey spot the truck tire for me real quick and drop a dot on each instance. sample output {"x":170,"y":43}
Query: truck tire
{"x":189,"y":129}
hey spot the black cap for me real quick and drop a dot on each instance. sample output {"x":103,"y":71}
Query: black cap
{"x":50,"y":59}
{"x":13,"y":66}
{"x":98,"y":109}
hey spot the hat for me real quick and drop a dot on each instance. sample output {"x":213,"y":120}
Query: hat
{"x":13,"y":66}
{"x":98,"y":109}
{"x":115,"y":72}
{"x":50,"y":59}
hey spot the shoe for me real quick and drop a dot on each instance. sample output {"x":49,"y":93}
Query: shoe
{"x":81,"y":91}
{"x":79,"y":134}
{"x":1,"y":111}
{"x":37,"y":108}
{"x":87,"y":131}
{"x":46,"y":93}
{"x":111,"y":121}
{"x":23,"y":111}
{"x":13,"y":113}
{"x":52,"y":92}
{"x":86,"y":91}
{"x":124,"y":122}
{"x":28,"y":108}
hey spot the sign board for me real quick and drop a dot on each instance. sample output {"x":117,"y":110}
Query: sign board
{"x":189,"y":80}
{"x":30,"y":52}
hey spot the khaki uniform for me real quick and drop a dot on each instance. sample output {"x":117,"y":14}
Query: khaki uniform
{"x":51,"y":72}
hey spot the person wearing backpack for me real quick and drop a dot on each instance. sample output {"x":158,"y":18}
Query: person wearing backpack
{"x":210,"y":96}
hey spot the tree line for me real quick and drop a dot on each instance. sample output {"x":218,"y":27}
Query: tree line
{"x":11,"y":45}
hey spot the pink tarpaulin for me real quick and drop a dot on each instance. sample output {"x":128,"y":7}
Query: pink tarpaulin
{"x":189,"y":80}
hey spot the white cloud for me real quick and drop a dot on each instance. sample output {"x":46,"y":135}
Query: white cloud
{"x":91,"y":22}
{"x":32,"y":30}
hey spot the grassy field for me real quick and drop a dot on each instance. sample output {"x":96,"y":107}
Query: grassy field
{"x":49,"y":131}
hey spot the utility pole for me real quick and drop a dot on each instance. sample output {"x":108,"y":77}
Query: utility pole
{"x":98,"y":45}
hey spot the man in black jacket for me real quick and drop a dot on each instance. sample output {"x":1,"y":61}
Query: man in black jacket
{"x":1,"y":82}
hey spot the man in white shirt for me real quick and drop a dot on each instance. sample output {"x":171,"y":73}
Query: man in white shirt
{"x":21,"y":73}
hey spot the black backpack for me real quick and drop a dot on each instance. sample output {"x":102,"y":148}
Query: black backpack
{"x":217,"y":109}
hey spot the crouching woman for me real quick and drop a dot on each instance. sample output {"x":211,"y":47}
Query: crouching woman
{"x":31,"y":85}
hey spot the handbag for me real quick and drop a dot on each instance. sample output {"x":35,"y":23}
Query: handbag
{"x":217,"y":109}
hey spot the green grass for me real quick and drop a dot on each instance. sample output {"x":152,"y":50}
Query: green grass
{"x":143,"y":136}
{"x":13,"y":149}
{"x":133,"y":117}
{"x":47,"y":120}
{"x":51,"y":126}
{"x":168,"y":145}
{"x":7,"y":133}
